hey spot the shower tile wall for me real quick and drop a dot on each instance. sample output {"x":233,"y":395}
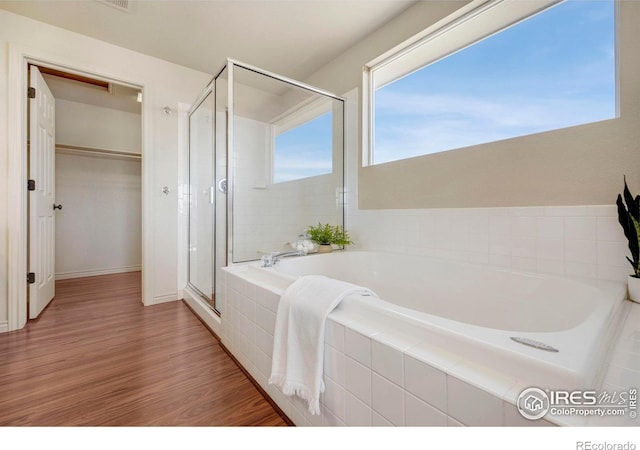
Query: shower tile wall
{"x":284,"y":210}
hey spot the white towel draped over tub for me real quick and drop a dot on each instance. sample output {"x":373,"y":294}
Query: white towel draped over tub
{"x":298,"y":344}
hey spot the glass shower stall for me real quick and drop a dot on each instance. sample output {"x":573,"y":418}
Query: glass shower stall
{"x":266,"y":160}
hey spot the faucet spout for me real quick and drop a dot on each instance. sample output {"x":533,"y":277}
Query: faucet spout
{"x":272,"y":259}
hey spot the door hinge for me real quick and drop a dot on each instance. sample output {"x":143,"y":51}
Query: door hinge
{"x":31,"y":278}
{"x":31,"y":185}
{"x":31,"y":92}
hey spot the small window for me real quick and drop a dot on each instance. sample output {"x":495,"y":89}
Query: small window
{"x":303,"y":150}
{"x":555,"y":69}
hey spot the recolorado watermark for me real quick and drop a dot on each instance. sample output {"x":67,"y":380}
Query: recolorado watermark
{"x":534,"y":403}
{"x":589,"y":445}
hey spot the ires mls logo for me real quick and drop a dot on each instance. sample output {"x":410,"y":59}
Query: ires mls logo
{"x":534,"y":403}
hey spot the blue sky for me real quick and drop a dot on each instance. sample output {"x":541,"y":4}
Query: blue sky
{"x":554,"y":70}
{"x":304,"y":151}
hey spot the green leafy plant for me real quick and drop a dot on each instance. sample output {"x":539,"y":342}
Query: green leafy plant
{"x":629,"y":218}
{"x":329,"y":234}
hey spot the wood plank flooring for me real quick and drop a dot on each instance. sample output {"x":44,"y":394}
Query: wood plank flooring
{"x":97,"y":357}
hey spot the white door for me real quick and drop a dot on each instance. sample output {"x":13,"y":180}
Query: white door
{"x":41,"y":200}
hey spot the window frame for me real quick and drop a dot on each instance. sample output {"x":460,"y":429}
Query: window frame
{"x":474,"y":22}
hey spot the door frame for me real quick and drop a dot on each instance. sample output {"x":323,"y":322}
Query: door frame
{"x":19,"y":58}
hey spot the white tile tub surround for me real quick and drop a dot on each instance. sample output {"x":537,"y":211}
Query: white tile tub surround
{"x":377,"y":374}
{"x":584,"y":241}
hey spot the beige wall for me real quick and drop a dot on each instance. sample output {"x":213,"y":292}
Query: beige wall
{"x":581,"y":165}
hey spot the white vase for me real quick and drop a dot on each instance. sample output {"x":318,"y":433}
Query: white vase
{"x":634,"y":289}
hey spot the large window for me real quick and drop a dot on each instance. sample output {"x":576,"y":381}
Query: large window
{"x":519,"y":75}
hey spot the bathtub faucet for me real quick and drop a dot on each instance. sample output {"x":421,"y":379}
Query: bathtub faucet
{"x":272,"y":259}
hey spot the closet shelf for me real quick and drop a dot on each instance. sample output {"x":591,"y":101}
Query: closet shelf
{"x":97,"y":152}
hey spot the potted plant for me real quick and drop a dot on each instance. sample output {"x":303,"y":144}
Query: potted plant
{"x":326,"y":235}
{"x":629,"y":218}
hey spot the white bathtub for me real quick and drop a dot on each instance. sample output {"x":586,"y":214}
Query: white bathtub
{"x":474,"y":311}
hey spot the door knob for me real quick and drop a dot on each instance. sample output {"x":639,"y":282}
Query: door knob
{"x":57,"y":206}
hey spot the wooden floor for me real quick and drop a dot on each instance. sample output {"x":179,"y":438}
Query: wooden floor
{"x":97,"y":357}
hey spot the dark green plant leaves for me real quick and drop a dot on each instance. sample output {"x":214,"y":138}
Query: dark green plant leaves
{"x":633,"y":205}
{"x":630,"y":221}
{"x":329,"y":234}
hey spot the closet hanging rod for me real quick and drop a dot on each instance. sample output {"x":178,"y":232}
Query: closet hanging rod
{"x":75,"y":149}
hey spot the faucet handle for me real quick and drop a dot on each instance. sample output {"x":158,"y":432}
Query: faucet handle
{"x":267,"y":260}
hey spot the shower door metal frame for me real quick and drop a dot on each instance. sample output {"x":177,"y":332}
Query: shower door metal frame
{"x":230,"y":65}
{"x":208,"y":90}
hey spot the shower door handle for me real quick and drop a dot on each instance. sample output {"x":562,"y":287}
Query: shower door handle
{"x":212,"y":194}
{"x":222,"y":185}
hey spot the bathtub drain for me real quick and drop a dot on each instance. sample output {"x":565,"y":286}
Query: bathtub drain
{"x":535,"y":344}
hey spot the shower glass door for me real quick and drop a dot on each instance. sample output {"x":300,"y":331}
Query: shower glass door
{"x":202,"y":198}
{"x":287,"y":160}
{"x":280,"y":143}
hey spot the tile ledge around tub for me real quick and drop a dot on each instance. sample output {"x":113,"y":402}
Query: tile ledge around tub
{"x":485,"y":378}
{"x":436,"y":357}
{"x":424,"y":350}
{"x":270,"y":281}
{"x":355,"y":321}
{"x":480,"y":376}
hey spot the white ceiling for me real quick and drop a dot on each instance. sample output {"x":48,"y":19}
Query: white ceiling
{"x":290,"y":37}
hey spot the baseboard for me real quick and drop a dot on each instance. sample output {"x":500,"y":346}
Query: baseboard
{"x":96,"y":272}
{"x":165,"y":298}
{"x":4,"y":327}
{"x":264,"y":393}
